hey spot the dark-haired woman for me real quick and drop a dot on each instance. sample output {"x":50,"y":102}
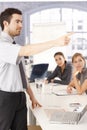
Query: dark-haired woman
{"x":63,"y":70}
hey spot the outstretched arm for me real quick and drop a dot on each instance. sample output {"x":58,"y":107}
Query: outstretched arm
{"x":31,"y":49}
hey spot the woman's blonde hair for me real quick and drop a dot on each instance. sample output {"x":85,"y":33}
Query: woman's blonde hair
{"x":76,"y":55}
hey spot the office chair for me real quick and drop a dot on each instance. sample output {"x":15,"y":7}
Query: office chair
{"x":38,"y":71}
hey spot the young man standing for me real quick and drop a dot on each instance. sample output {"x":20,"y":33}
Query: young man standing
{"x":13,"y":111}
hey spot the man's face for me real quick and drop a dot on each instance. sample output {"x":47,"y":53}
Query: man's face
{"x":14,"y":27}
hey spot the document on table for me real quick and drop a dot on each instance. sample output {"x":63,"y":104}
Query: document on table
{"x":63,"y":92}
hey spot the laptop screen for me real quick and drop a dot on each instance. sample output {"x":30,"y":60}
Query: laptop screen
{"x":38,"y":71}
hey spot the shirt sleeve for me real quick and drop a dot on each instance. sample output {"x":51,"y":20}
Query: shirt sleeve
{"x":53,"y":75}
{"x":66,"y":77}
{"x":9,"y":52}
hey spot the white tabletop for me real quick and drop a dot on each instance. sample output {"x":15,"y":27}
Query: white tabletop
{"x":51,"y":101}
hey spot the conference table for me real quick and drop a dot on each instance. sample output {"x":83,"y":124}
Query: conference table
{"x":50,"y":101}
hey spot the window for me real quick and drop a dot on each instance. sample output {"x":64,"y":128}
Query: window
{"x":75,"y":20}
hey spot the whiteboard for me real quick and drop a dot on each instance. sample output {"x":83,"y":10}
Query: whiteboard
{"x":44,"y":32}
{"x":47,"y":31}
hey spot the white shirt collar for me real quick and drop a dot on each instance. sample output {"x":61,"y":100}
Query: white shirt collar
{"x":5,"y":37}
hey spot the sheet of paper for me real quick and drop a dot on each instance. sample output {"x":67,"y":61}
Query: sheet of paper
{"x":63,"y":92}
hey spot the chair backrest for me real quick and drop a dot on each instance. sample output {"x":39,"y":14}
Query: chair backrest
{"x":38,"y":71}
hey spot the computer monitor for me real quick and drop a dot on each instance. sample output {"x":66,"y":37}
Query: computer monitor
{"x":38,"y":71}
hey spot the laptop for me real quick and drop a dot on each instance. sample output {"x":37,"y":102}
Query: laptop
{"x":38,"y":71}
{"x":67,"y":117}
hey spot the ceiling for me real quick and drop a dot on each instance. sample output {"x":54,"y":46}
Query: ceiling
{"x":32,"y":7}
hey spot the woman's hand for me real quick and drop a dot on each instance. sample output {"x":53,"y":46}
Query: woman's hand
{"x":52,"y":80}
{"x":75,"y":72}
{"x":46,"y":81}
{"x":69,"y":89}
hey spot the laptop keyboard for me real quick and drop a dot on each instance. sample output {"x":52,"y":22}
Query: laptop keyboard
{"x":65,"y":117}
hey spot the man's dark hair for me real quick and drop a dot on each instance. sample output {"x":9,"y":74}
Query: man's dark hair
{"x":6,"y":15}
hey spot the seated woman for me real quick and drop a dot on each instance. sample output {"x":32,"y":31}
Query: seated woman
{"x":63,"y":70}
{"x":79,"y":80}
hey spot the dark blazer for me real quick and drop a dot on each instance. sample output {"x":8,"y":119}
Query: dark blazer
{"x":65,"y":76}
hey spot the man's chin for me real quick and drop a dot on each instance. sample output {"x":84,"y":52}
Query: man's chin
{"x":17,"y":34}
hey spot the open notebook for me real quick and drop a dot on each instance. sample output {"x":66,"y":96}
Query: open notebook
{"x":67,"y":117}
